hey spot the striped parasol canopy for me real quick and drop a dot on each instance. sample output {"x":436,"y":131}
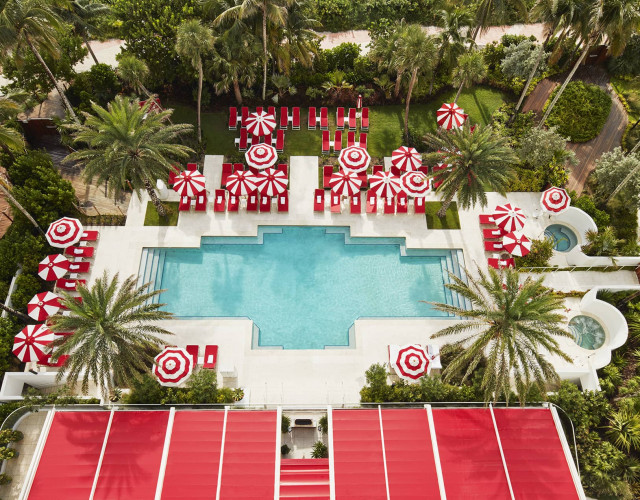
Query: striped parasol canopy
{"x":509,"y":217}
{"x":32,"y":342}
{"x":53,"y":267}
{"x":415,"y":184}
{"x":64,"y":232}
{"x":450,"y":116}
{"x":354,"y":159}
{"x":173,"y":366}
{"x":271,"y":182}
{"x":189,"y":183}
{"x":406,"y":158}
{"x":261,"y":156}
{"x":555,"y":200}
{"x":345,"y":183}
{"x":410,"y":362}
{"x":43,"y":305}
{"x":261,"y":123}
{"x":385,"y":184}
{"x":241,"y":183}
{"x":516,"y":243}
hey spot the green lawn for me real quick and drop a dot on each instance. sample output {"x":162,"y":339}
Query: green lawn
{"x":385,"y":124}
{"x":151,"y":217}
{"x":450,"y":221}
{"x":630,"y":90}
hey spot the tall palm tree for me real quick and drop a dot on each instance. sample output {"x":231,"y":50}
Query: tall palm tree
{"x":133,"y":72}
{"x":81,"y":14}
{"x":471,"y":69}
{"x":233,"y":64}
{"x":11,"y":139}
{"x":451,"y":41}
{"x":115,"y":335}
{"x":383,"y":51}
{"x":416,"y":53}
{"x":296,"y":40}
{"x":512,"y":325}
{"x":478,"y":162}
{"x":193,"y":41}
{"x":17,"y":314}
{"x":126,"y":144}
{"x":33,"y":23}
{"x":613,"y":21}
{"x":5,"y":188}
{"x":493,"y":12}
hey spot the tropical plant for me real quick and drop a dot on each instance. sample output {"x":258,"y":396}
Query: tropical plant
{"x":617,"y":172}
{"x":603,"y":242}
{"x":513,"y":324}
{"x":17,"y":314}
{"x":296,"y":39}
{"x":5,"y":188}
{"x":133,"y":72}
{"x":11,"y":139}
{"x":233,"y":62}
{"x":10,"y":436}
{"x":471,"y":69}
{"x":336,"y":85}
{"x":126,"y":145}
{"x":320,"y":450}
{"x":478,"y":162}
{"x":383,"y":51}
{"x":451,"y":41}
{"x":193,"y":42}
{"x":624,"y":429}
{"x":81,"y":14}
{"x":7,"y":453}
{"x":540,"y":147}
{"x":283,"y":86}
{"x":115,"y":333}
{"x":386,"y":85}
{"x":492,"y":12}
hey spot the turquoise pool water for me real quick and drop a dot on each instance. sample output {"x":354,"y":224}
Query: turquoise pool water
{"x":564,"y":239}
{"x":302,"y":286}
{"x":587,"y":332}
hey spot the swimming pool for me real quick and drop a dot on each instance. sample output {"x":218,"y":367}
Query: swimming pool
{"x":587,"y":332}
{"x":564,"y":239}
{"x":302,"y":286}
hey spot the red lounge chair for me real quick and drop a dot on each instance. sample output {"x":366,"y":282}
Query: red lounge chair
{"x":89,"y":236}
{"x":324,"y":119}
{"x":268,"y":139}
{"x":352,"y":118}
{"x":284,"y":117}
{"x":318,"y":200}
{"x":336,"y":206}
{"x":424,"y":169}
{"x":283,"y":168}
{"x":185,"y":204}
{"x":327,"y":171}
{"x":220,"y":201}
{"x":265,"y":203}
{"x":501,"y":263}
{"x":227,"y":170}
{"x":80,"y":251}
{"x":201,"y":202}
{"x":487,"y":220}
{"x":372,"y":204}
{"x":340,"y":118}
{"x":295,"y":123}
{"x":419,"y":206}
{"x":493,"y":246}
{"x":238,"y":167}
{"x":337,"y":141}
{"x":191,"y":167}
{"x":363,"y":140}
{"x":242,"y":145}
{"x":364,"y":120}
{"x":311,"y":125}
{"x":351,"y":139}
{"x":253,"y":170}
{"x":489,"y":234}
{"x":233,"y":118}
{"x":325,"y":142}
{"x":172,"y":175}
{"x":210,"y":356}
{"x":255,"y":139}
{"x":193,"y":352}
{"x":79,"y":267}
{"x":378,"y":168}
{"x":245,"y":114}
{"x":46,"y":361}
{"x":395,"y":171}
{"x":403,"y":203}
{"x":234,"y":202}
{"x":259,"y":109}
{"x":389,"y":206}
{"x":436,"y":183}
{"x":363,"y":178}
{"x":66,"y":284}
{"x":252,"y":202}
{"x":356,"y":204}
{"x":271,"y":110}
{"x":280,"y":141}
{"x":283,"y":202}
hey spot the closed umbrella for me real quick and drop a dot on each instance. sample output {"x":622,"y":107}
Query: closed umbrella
{"x":261,"y":156}
{"x":450,"y":116}
{"x":415,"y":184}
{"x":189,"y":183}
{"x":508,"y":217}
{"x":172,"y":366}
{"x":64,"y":232}
{"x":385,"y":184}
{"x":241,"y":183}
{"x":261,"y":123}
{"x":406,"y":158}
{"x":43,"y":305}
{"x":345,"y":183}
{"x":516,"y":243}
{"x":555,"y":200}
{"x":32,"y":342}
{"x":354,"y":159}
{"x":53,"y":267}
{"x":271,"y":182}
{"x":410,"y":362}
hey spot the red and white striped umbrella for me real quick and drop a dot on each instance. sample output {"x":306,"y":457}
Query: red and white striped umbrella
{"x":555,"y":200}
{"x":516,"y":243}
{"x":32,"y":342}
{"x":261,"y":123}
{"x":241,"y":183}
{"x":406,"y":158}
{"x":410,"y":362}
{"x":450,"y":115}
{"x":415,"y":184}
{"x":271,"y":182}
{"x":189,"y":183}
{"x":172,"y":366}
{"x":385,"y":184}
{"x":261,"y":156}
{"x":53,"y":267}
{"x":354,"y":159}
{"x":64,"y":232}
{"x":345,"y":183}
{"x":43,"y":305}
{"x":509,"y":217}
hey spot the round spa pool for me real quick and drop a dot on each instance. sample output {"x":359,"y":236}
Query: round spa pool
{"x":564,"y":239}
{"x":587,"y":332}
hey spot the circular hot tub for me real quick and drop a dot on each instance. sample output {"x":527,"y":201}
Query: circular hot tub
{"x":587,"y":332}
{"x":564,"y":239}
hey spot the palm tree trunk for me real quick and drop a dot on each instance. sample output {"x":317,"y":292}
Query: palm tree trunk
{"x":532,"y":74}
{"x":629,"y":176}
{"x":564,"y":85}
{"x":57,"y":85}
{"x":264,"y":50}
{"x":459,"y":90}
{"x":86,"y":42}
{"x":162,"y":211}
{"x":199,"y":99}
{"x":15,"y":203}
{"x":236,"y":91}
{"x":445,"y":204}
{"x":635,"y":148}
{"x":396,"y":89}
{"x":17,"y":314}
{"x":414,"y":77}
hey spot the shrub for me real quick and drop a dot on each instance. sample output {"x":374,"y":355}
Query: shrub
{"x":320,"y":450}
{"x":323,"y":423}
{"x":586,"y":203}
{"x":27,"y":285}
{"x":541,"y":252}
{"x":10,"y":436}
{"x":285,"y":424}
{"x":526,"y":180}
{"x":284,"y":449}
{"x":100,"y":84}
{"x":628,"y":63}
{"x":7,"y":453}
{"x":581,"y":111}
{"x":201,"y":389}
{"x":5,"y":479}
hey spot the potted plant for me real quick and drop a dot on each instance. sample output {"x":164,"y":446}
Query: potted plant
{"x":285,"y":425}
{"x":284,"y":449}
{"x":7,"y":453}
{"x":10,"y":436}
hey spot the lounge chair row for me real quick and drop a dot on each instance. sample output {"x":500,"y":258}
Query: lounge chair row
{"x":229,"y":168}
{"x":397,"y":205}
{"x":227,"y":202}
{"x":351,"y":119}
{"x":493,"y":242}
{"x":328,"y":170}
{"x":243,"y":141}
{"x":314,"y":119}
{"x":336,"y":144}
{"x":210,"y":355}
{"x":241,"y":119}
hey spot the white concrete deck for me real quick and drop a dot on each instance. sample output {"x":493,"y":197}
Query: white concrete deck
{"x":333,"y":375}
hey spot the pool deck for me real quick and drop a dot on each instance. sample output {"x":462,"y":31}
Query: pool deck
{"x":331,"y":375}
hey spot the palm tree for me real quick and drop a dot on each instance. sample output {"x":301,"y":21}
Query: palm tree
{"x":602,"y":242}
{"x":81,"y":14}
{"x":10,"y":138}
{"x":451,"y":41}
{"x":416,"y":52}
{"x":133,"y":72}
{"x":611,"y":20}
{"x":233,"y":65}
{"x":33,"y":23}
{"x":624,"y":430}
{"x":5,"y":188}
{"x":494,"y":12}
{"x":115,"y":335}
{"x":478,"y":161}
{"x":383,"y":51}
{"x":193,"y":41}
{"x":126,"y":144}
{"x":17,"y":314}
{"x":296,"y":40}
{"x":471,"y":69}
{"x":511,"y":324}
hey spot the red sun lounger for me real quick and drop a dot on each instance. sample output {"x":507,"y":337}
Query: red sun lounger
{"x":340,"y":118}
{"x":71,"y":285}
{"x":311,"y":125}
{"x":185,"y":204}
{"x":245,"y":115}
{"x":327,"y":171}
{"x":271,"y":110}
{"x":201,"y":202}
{"x":364,"y":120}
{"x":259,"y":109}
{"x":487,"y":220}
{"x":244,"y":137}
{"x":389,"y":205}
{"x":210,"y":356}
{"x":238,"y":167}
{"x":89,"y":236}
{"x":501,"y":263}
{"x":283,"y":202}
{"x":284,"y":117}
{"x":318,"y":200}
{"x":227,"y":170}
{"x":255,"y":139}
{"x":233,"y":118}
{"x":436,"y":180}
{"x":352,"y":118}
{"x":493,"y":246}
{"x":324,"y":119}
{"x":489,"y":234}
{"x":363,"y":140}
{"x":336,"y":206}
{"x":280,"y":141}
{"x":378,"y":168}
{"x":252,"y":202}
{"x":220,"y":201}
{"x":80,"y":251}
{"x":356,"y":204}
{"x":282,"y":167}
{"x":419,"y":206}
{"x":325,"y":142}
{"x":403,"y":203}
{"x":372,"y":203}
{"x":79,"y":267}
{"x":193,"y":351}
{"x":351,"y":139}
{"x":234,"y":202}
{"x":337,"y":141}
{"x":46,"y":361}
{"x":268,"y":139}
{"x":295,"y":122}
{"x":265,"y":203}
{"x":192,"y":167}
